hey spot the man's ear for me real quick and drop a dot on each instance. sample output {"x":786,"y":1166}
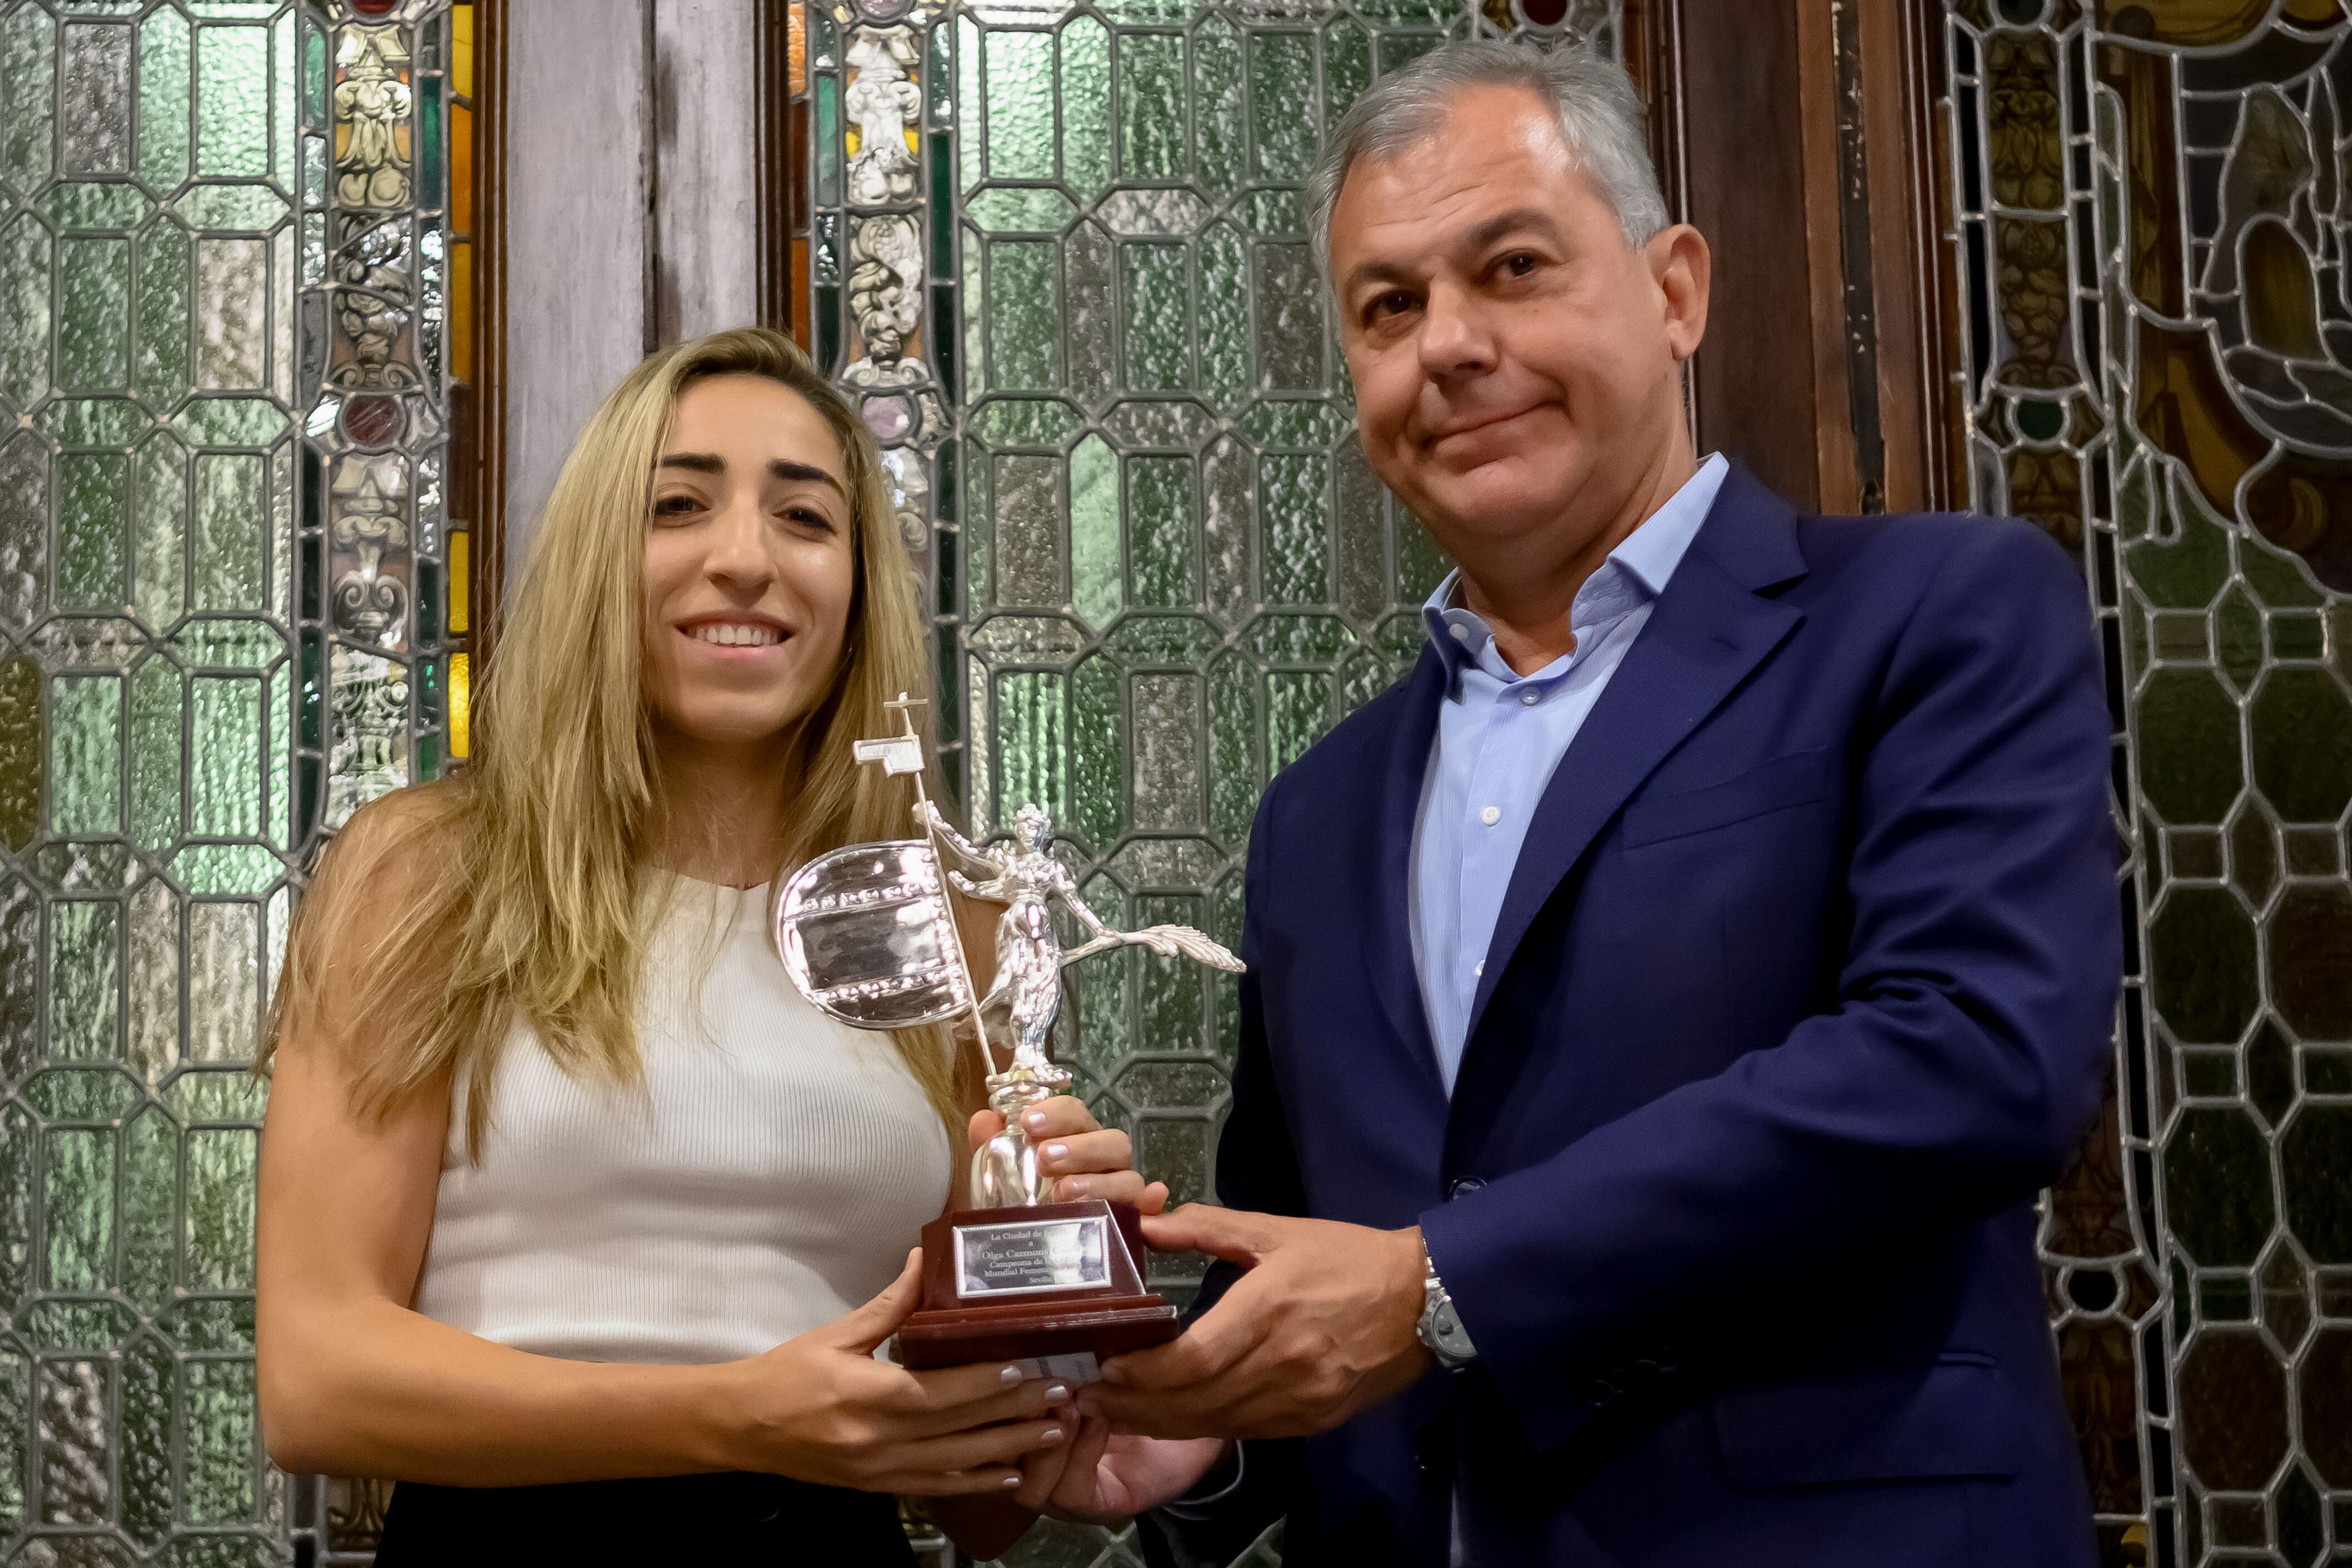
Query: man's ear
{"x":1683,"y":269}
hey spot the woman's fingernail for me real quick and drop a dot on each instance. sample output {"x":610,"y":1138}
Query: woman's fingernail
{"x":1057,"y":1151}
{"x":1009,"y":1482}
{"x":1010,"y":1374}
{"x":1053,"y":1435}
{"x":1034,"y":1119}
{"x":1058,"y":1393}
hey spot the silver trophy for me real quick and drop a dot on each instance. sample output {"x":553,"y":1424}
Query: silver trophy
{"x":867,"y":935}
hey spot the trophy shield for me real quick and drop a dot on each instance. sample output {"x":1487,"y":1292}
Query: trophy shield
{"x":867,"y":935}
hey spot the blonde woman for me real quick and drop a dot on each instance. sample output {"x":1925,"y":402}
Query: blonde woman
{"x":575,"y":1218}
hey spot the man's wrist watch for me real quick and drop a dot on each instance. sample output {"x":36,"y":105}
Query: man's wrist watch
{"x":1441,"y":1327}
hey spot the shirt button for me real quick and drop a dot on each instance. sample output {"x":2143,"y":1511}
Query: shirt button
{"x":1531,"y":697}
{"x":1491,"y":816}
{"x":1479,"y":969}
{"x":1461,"y":633}
{"x":1462,"y":1186}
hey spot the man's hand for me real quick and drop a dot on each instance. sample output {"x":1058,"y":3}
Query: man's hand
{"x":1320,"y":1328}
{"x":1100,"y":1477}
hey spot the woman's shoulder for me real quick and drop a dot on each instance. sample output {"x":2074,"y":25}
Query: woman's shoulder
{"x":398,"y":842}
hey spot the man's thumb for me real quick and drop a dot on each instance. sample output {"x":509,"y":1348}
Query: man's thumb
{"x":866,"y":1327}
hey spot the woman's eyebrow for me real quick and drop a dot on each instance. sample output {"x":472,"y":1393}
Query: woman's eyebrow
{"x":809,"y":473}
{"x":699,"y":462}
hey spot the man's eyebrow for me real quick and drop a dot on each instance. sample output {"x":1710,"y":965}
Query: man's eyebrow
{"x":1477,"y":238}
{"x":782,"y":468}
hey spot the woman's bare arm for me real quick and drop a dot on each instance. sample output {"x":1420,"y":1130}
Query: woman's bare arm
{"x":354,"y":1381}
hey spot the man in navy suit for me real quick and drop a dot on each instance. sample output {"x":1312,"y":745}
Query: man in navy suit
{"x":1664,"y":1004}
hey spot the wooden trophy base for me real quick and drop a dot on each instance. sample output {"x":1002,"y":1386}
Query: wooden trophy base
{"x":1035,"y":1282}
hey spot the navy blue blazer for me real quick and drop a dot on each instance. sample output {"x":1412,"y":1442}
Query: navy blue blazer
{"x":1802,"y":988}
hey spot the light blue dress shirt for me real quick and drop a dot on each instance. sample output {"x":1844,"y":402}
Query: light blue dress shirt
{"x":1500,"y":737}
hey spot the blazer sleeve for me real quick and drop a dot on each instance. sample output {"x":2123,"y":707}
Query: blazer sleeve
{"x":1257,"y":1169}
{"x":1969,"y":1041}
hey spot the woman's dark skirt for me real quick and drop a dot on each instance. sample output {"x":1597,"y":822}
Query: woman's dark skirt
{"x":732,"y":1518}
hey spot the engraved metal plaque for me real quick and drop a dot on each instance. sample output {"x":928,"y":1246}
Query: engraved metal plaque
{"x":1025,"y":1257}
{"x":866,"y":936}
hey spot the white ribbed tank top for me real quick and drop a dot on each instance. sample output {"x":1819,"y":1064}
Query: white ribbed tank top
{"x":769,"y":1175}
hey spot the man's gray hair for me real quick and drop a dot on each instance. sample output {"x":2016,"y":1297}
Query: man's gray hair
{"x":1600,"y":119}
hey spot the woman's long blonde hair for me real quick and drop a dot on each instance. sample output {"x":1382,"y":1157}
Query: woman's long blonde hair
{"x":518,"y":889}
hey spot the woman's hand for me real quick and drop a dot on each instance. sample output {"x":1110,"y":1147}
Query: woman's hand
{"x":821,"y":1408}
{"x":1105,"y":1478}
{"x":1088,"y":1160}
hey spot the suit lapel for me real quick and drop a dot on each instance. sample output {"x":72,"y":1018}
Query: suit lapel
{"x":1709,"y":631}
{"x":1388,"y":951}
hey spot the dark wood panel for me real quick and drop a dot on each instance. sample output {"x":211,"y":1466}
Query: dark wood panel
{"x":1755,"y":382}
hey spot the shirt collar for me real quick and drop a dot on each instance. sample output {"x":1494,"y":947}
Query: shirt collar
{"x":1644,"y":562}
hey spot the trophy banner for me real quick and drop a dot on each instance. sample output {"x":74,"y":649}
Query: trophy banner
{"x":866,"y":934}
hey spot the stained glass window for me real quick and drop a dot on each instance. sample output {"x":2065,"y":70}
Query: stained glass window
{"x":224,"y":366}
{"x":2152,"y":232}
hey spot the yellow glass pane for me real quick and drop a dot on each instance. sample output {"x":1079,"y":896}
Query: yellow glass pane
{"x":461,"y":311}
{"x":461,"y":50}
{"x":461,"y":585}
{"x":796,"y":52}
{"x":461,"y":692}
{"x":461,"y":169}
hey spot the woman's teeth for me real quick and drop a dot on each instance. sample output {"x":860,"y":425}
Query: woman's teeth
{"x":730,"y":634}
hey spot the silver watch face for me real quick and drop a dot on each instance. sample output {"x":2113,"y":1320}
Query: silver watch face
{"x":1441,"y":1332}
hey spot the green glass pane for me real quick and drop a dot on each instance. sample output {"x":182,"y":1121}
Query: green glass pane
{"x":96,"y":204}
{"x":28,"y":65}
{"x":151,"y":1155}
{"x":2181,"y":557}
{"x":1362,"y":519}
{"x":1104,"y":989}
{"x":1025,"y":546}
{"x":1347,"y":65}
{"x":25,"y":343}
{"x":1024,"y":315}
{"x":1295,"y":504}
{"x":217,"y":1247}
{"x":1224,"y":321}
{"x":2311,"y":960}
{"x":85,"y":974}
{"x":1027,"y":422}
{"x":1020,"y":117}
{"x":77,"y":1209}
{"x":163,"y":54}
{"x":1155,"y":318}
{"x":230,"y":207}
{"x":1025,"y":209}
{"x":1299,"y":711}
{"x":1085,"y":106}
{"x":231,"y":514}
{"x":1032,"y":740}
{"x":1234,"y":781}
{"x":75,"y":1474}
{"x":2217,"y":1186}
{"x":216,"y":1095}
{"x":1314,"y":424}
{"x":1290,"y":333}
{"x":1161,"y":532}
{"x":85,"y":755}
{"x":230,"y":421}
{"x":1097,"y":753}
{"x":224,"y":786}
{"x":159,"y":525}
{"x":1283,"y":125}
{"x":1166,"y":773}
{"x":233,"y":102}
{"x":1151,"y":106}
{"x":157,"y":703}
{"x":224,"y":981}
{"x":226,"y":869}
{"x":2302,"y":724}
{"x":278,"y":771}
{"x":971,"y":143}
{"x":93,"y":505}
{"x":161,"y":366}
{"x":147,"y":1439}
{"x":223,"y":1452}
{"x":231,"y":275}
{"x":1096,"y":579}
{"x":1217,"y":98}
{"x":19,"y":1149}
{"x":2189,"y":762}
{"x":93,"y":421}
{"x":93,"y":314}
{"x":22,"y":756}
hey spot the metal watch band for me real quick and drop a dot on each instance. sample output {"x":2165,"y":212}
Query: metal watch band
{"x":1441,"y":1327}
